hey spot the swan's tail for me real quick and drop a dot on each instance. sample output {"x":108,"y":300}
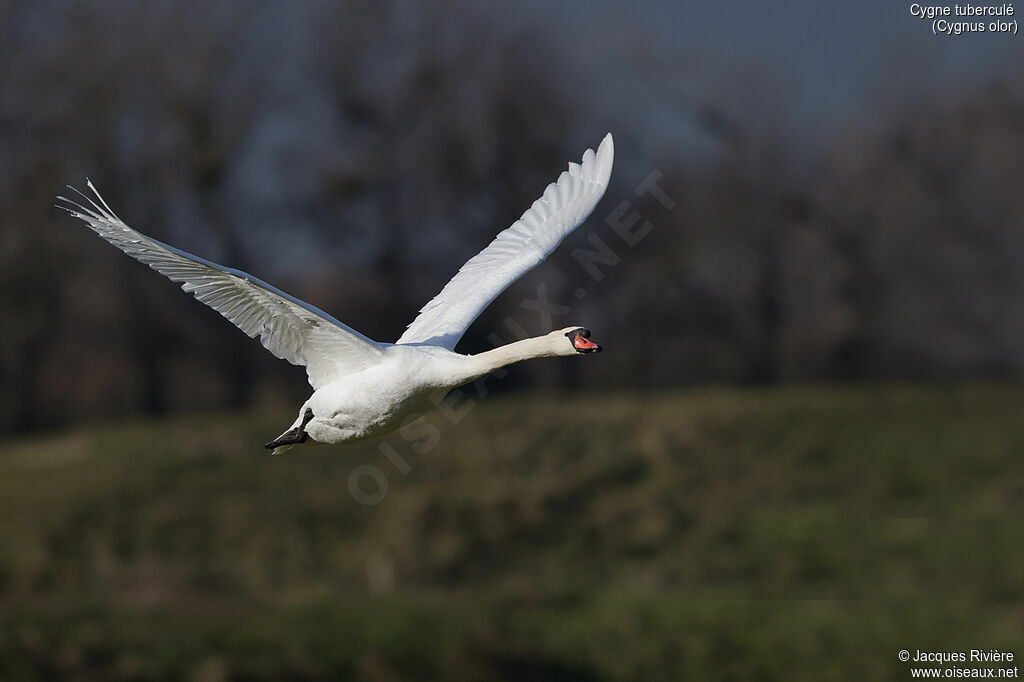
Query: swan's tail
{"x":293,"y":436}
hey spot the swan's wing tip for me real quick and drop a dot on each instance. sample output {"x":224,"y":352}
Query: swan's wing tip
{"x":599,"y":164}
{"x":605,"y":157}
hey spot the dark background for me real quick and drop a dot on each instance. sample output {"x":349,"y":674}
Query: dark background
{"x":800,"y":443}
{"x":845,"y":187}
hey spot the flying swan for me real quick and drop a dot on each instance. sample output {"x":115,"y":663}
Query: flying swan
{"x":362,"y":388}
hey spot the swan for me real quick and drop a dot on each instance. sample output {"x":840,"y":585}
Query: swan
{"x":362,"y":388}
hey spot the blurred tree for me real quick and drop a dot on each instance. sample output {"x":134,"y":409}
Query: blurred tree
{"x":232,"y":138}
{"x":929,"y":207}
{"x":357,"y":153}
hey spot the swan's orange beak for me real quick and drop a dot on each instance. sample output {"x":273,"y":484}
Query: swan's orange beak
{"x":581,"y":342}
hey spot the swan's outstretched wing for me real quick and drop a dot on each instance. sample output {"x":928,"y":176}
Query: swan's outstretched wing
{"x":289,"y":328}
{"x":564,"y":205}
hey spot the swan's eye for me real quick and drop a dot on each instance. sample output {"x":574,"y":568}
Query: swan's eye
{"x":581,"y":341}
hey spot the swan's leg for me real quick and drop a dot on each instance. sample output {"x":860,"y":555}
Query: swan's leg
{"x":294,"y":435}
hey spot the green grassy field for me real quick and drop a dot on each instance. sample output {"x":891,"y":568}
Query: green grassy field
{"x":793,"y":534}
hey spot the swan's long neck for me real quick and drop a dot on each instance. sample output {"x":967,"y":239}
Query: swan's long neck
{"x":480,"y":364}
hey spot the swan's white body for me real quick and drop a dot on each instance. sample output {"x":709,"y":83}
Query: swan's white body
{"x":363,"y":388}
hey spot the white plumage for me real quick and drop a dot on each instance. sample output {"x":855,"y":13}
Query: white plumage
{"x":515,"y":251}
{"x":363,"y":388}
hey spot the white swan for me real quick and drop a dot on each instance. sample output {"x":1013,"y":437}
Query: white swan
{"x":362,"y":388}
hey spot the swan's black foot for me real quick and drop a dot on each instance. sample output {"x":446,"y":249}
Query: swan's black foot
{"x":292,"y":436}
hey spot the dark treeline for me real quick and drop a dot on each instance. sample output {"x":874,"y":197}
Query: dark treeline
{"x":356,"y":154}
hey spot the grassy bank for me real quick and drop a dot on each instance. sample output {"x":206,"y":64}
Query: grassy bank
{"x":806,"y":533}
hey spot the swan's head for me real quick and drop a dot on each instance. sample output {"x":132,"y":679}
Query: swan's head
{"x":579,"y":341}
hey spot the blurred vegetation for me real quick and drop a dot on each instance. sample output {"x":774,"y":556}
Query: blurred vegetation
{"x":356,"y":154}
{"x":716,"y":534}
